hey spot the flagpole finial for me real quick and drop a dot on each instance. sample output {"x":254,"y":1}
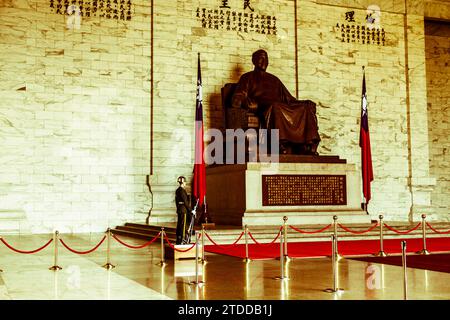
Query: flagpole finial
{"x":363,"y":67}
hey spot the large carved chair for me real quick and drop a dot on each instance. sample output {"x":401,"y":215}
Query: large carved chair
{"x":235,"y":118}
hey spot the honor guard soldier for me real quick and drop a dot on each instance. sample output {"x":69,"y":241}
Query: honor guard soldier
{"x":183,"y":208}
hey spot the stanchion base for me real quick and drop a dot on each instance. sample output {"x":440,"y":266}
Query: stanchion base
{"x":286,"y":258}
{"x":380,"y":254}
{"x":108,"y":266}
{"x":281,"y":278}
{"x":423,"y":252}
{"x":330,"y":290}
{"x":55,"y":268}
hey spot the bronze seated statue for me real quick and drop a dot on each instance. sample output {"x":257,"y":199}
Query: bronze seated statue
{"x":260,"y":100}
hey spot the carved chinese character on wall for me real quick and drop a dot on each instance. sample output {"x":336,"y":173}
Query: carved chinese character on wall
{"x":370,"y":32}
{"x":246,"y":20}
{"x":350,"y":16}
{"x":109,"y":9}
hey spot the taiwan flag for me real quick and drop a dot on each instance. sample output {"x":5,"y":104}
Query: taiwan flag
{"x":364,"y":143}
{"x":199,"y":183}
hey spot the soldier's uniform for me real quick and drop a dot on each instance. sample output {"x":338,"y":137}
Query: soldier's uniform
{"x":183,"y":210}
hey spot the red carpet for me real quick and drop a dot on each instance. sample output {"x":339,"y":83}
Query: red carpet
{"x":434,"y":262}
{"x":346,"y":248}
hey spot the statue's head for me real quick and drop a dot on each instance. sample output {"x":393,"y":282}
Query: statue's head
{"x":260,"y":59}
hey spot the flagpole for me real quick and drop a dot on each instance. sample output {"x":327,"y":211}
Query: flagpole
{"x":365,"y":200}
{"x":199,"y":166}
{"x":205,"y":212}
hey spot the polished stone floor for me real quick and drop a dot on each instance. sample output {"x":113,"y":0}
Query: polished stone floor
{"x":138,"y":275}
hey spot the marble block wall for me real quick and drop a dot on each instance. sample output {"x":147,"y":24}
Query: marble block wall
{"x":76,"y":102}
{"x":438,"y":90}
{"x":74,"y":117}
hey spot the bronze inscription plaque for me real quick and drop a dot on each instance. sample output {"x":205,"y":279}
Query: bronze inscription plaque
{"x":304,"y":190}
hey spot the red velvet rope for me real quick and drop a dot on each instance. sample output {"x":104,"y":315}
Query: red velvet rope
{"x":358,"y":232}
{"x":26,"y":252}
{"x":403,"y":232}
{"x":233,"y":244}
{"x":437,"y":231}
{"x":82,"y":252}
{"x":311,"y":232}
{"x":179,"y":250}
{"x":262,"y":244}
{"x":139,"y":246}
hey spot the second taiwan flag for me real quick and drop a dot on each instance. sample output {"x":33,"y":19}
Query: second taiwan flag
{"x":364,"y":143}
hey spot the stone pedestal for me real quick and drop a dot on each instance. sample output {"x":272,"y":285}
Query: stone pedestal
{"x":235,"y":194}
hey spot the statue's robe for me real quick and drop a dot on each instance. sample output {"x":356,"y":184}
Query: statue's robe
{"x":277,"y":108}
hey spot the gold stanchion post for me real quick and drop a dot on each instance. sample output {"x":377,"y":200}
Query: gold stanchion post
{"x":203,"y":245}
{"x":162,"y":262}
{"x":336,"y":252}
{"x":424,"y":250}
{"x":108,"y":265}
{"x":1,"y":269}
{"x":282,"y":253}
{"x":246,"y":259}
{"x":381,"y":253}
{"x":286,"y":255}
{"x":405,"y":277}
{"x":55,"y":266}
{"x":196,"y":259}
{"x":334,"y":265}
{"x":197,"y":281}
